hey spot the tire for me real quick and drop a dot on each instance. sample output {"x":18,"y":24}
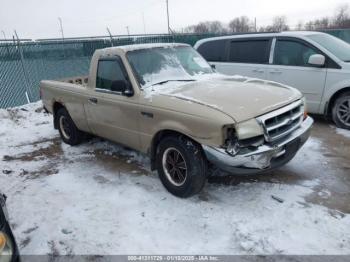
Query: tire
{"x":186,"y":176}
{"x":69,"y":133}
{"x":341,"y":111}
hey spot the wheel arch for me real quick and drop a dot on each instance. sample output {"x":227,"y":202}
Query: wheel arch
{"x":331,"y":101}
{"x":56,"y":106}
{"x":159,"y":136}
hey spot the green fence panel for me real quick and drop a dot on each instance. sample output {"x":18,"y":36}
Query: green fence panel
{"x":343,"y":34}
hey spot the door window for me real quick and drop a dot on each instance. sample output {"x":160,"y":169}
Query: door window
{"x":250,"y":51}
{"x":292,"y":53}
{"x":109,"y":73}
{"x":213,"y":51}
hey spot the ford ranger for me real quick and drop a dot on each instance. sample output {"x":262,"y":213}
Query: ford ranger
{"x":167,"y":101}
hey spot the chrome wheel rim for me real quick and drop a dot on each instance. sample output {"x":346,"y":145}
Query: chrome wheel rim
{"x":174,"y":166}
{"x":64,"y":126}
{"x":343,"y":112}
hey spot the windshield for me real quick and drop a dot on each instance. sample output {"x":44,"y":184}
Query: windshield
{"x":158,"y":65}
{"x":333,"y":44}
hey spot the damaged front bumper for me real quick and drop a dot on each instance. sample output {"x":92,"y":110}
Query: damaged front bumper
{"x":265,"y":157}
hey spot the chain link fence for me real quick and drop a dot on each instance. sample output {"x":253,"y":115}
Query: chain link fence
{"x":24,"y":64}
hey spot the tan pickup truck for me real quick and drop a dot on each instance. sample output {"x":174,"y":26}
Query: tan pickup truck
{"x":167,"y":101}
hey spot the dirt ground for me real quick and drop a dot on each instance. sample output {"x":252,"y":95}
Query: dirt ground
{"x":331,"y":171}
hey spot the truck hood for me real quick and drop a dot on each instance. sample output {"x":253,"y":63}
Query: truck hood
{"x":239,"y":97}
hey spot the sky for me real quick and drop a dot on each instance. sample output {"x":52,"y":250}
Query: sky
{"x":37,"y":19}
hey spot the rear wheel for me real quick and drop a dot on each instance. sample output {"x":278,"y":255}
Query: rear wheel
{"x":69,"y":133}
{"x":181,"y":166}
{"x":341,"y":111}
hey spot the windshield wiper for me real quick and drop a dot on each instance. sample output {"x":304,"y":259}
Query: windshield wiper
{"x":166,"y":81}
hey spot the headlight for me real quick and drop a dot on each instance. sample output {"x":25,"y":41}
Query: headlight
{"x":6,"y":248}
{"x":245,"y":136}
{"x":248,"y":129}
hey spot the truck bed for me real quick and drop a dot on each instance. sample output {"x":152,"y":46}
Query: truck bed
{"x":78,"y":80}
{"x":70,"y":92}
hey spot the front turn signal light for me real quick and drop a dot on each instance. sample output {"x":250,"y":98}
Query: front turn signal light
{"x":2,"y":242}
{"x":305,"y":114}
{"x":6,"y":248}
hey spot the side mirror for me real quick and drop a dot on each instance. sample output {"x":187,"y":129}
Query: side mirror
{"x":118,"y":86}
{"x":122,"y":86}
{"x":128,"y":92}
{"x":317,"y":60}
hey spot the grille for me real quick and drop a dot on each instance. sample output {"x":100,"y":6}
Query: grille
{"x":283,"y":121}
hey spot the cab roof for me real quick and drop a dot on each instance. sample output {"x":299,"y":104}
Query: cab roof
{"x":127,"y":48}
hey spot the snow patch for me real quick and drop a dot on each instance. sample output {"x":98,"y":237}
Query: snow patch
{"x":343,"y":132}
{"x":91,"y":199}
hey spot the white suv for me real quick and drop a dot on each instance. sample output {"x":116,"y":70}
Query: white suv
{"x":317,"y":64}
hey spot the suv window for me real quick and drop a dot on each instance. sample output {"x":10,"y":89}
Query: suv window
{"x":250,"y":51}
{"x":292,"y":53}
{"x":213,"y":51}
{"x":108,"y":72}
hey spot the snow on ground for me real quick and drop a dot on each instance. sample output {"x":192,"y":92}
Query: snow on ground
{"x":99,"y":198}
{"x":343,"y":132}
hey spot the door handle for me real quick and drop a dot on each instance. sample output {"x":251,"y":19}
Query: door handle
{"x":93,"y":100}
{"x":258,"y":71}
{"x":147,"y":114}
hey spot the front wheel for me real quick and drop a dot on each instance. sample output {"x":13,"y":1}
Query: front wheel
{"x":181,"y":166}
{"x":341,"y":111}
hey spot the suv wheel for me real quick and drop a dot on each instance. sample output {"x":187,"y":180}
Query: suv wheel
{"x":341,"y":111}
{"x":181,"y":166}
{"x":69,"y":133}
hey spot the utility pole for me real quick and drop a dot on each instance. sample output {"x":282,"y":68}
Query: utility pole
{"x":110,"y":36}
{"x":143,"y":20}
{"x":127,"y":30}
{"x":167,"y":12}
{"x":256,"y":29}
{"x":61,"y":27}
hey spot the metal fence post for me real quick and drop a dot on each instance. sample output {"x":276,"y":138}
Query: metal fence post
{"x":27,"y":93}
{"x":110,"y":35}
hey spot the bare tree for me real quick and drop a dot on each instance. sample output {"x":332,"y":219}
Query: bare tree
{"x":243,"y":24}
{"x":240,"y":25}
{"x":341,"y":18}
{"x":309,"y":26}
{"x":300,"y":26}
{"x":215,"y":27}
{"x":322,"y":23}
{"x":279,"y":24}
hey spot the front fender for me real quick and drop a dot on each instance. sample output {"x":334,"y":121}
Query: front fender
{"x":203,"y":130}
{"x":329,"y":93}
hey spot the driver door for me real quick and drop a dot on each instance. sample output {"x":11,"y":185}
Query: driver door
{"x":112,"y":109}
